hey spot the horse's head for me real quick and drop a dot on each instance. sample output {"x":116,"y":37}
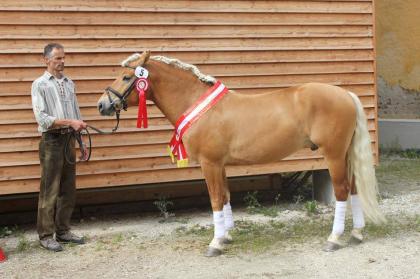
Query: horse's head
{"x":118,"y":96}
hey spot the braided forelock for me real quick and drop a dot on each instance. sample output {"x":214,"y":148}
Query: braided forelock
{"x":130,"y":59}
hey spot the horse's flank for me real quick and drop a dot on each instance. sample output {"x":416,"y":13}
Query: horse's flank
{"x":286,"y":121}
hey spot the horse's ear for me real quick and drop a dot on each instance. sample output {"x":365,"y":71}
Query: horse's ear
{"x":144,"y":57}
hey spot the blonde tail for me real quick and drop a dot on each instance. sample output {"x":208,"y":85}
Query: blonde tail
{"x":361,"y":166}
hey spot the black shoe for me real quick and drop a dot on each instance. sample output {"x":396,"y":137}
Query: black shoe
{"x":50,"y":244}
{"x":69,"y":237}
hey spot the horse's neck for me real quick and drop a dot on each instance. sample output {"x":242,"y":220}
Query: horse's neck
{"x":174,"y":89}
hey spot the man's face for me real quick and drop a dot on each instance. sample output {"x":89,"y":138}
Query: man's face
{"x":55,"y":62}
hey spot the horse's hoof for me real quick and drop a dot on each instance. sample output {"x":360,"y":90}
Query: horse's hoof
{"x":354,"y":240}
{"x":213,"y":252}
{"x":331,"y":247}
{"x":227,"y":240}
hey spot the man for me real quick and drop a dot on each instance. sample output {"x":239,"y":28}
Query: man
{"x":58,"y":115}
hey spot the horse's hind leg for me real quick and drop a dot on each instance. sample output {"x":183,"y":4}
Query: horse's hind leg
{"x":338,"y":172}
{"x":358,"y":217}
{"x":214,"y":174}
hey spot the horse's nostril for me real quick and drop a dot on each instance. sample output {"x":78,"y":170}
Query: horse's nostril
{"x":100,"y":107}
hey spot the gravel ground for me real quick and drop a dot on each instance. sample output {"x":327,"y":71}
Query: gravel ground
{"x":141,"y":247}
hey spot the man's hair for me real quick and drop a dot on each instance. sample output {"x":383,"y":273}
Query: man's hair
{"x":49,"y":48}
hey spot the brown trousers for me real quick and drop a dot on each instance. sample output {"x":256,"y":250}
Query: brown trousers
{"x":57,"y":193}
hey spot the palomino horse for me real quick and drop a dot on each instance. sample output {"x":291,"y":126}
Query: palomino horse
{"x":260,"y":128}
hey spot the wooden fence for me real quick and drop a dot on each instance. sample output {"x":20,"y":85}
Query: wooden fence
{"x":251,"y":46}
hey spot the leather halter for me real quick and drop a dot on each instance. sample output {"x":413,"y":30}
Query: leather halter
{"x":121,"y":96}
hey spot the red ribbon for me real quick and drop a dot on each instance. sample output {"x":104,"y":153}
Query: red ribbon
{"x":141,"y":86}
{"x":210,"y":98}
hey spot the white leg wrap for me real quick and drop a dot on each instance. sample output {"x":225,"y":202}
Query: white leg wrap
{"x":219,"y":224}
{"x":227,"y":211}
{"x":357,"y":211}
{"x":339,"y":217}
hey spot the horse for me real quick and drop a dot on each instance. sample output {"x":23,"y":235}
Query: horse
{"x":260,"y":128}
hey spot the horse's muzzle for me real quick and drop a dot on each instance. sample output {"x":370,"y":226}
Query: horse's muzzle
{"x":105,"y":108}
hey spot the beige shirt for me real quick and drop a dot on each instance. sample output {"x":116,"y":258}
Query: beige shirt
{"x":53,"y":99}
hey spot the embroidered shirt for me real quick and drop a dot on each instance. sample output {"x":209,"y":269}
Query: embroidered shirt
{"x":53,"y":99}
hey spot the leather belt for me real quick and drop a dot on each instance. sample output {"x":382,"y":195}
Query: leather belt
{"x":60,"y":131}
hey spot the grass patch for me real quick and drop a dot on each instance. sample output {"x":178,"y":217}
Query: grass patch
{"x":23,"y":244}
{"x":396,"y":174}
{"x":311,"y":207}
{"x":253,"y":206}
{"x":395,"y":225}
{"x":257,"y":237}
{"x":118,"y":238}
{"x":196,"y":231}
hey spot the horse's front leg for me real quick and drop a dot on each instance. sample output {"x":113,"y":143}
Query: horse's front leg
{"x":213,"y":173}
{"x":227,"y":212}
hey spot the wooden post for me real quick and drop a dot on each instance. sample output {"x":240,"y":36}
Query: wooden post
{"x":322,"y":187}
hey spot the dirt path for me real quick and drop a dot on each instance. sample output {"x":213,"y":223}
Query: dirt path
{"x":141,"y":247}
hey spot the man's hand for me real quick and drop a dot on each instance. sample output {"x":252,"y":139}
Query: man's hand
{"x":84,"y":152}
{"x":78,"y":125}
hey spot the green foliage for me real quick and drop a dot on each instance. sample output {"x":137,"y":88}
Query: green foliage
{"x":253,"y":206}
{"x":277,"y":199}
{"x":298,"y":199}
{"x":196,"y":230}
{"x":163,"y":205}
{"x":251,"y":201}
{"x":311,"y":207}
{"x":23,"y":244}
{"x":6,"y":231}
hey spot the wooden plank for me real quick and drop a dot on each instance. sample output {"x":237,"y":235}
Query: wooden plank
{"x":162,"y":18}
{"x":190,"y":6}
{"x":27,"y":114}
{"x":123,"y":139}
{"x":29,"y":129}
{"x":135,"y":178}
{"x":107,"y":167}
{"x":89,"y":111}
{"x":97,"y":85}
{"x":109,"y":72}
{"x":110,"y":45}
{"x":53,"y":32}
{"x":23,"y":60}
{"x":104,"y":153}
{"x":24,"y":103}
{"x":91,"y":98}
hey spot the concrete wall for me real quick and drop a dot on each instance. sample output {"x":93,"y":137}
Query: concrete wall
{"x":398,"y":58}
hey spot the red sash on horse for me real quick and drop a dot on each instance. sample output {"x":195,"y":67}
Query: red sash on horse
{"x":202,"y":105}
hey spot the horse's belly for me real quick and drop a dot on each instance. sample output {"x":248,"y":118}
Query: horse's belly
{"x":263,"y":150}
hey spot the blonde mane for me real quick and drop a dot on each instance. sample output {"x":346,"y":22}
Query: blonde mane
{"x":175,"y":62}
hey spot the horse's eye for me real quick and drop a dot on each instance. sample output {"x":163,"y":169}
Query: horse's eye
{"x":126,"y":78}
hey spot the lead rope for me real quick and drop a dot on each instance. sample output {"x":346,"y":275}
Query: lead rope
{"x":85,"y":151}
{"x":78,"y":136}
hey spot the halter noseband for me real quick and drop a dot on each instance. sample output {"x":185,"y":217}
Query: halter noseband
{"x":121,"y":96}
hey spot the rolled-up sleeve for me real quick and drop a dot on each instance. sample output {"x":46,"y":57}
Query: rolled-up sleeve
{"x":76,"y":104}
{"x":38,"y":105}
